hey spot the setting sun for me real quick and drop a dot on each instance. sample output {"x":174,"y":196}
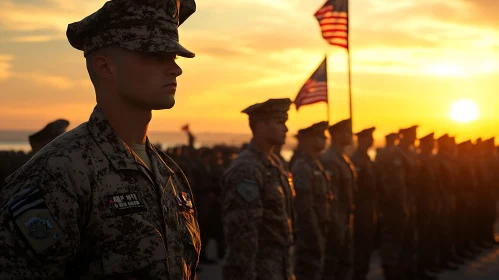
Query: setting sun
{"x":464,"y":111}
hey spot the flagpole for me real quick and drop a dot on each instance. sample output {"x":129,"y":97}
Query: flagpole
{"x":327,"y":103}
{"x":349,"y":65}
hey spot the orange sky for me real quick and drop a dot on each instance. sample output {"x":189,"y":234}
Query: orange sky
{"x":411,"y":60}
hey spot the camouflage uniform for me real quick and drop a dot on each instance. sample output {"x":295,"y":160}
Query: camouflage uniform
{"x":343,"y":174}
{"x":87,"y":206}
{"x":314,"y":207}
{"x":393,"y":205}
{"x":257,"y":201}
{"x":365,"y":208}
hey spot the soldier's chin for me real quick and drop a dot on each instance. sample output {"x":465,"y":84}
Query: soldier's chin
{"x":167,"y":103}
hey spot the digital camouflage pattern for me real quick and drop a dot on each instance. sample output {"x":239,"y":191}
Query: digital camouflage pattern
{"x":136,"y":25}
{"x":90,"y":208}
{"x":257,"y":218}
{"x":343,"y":175}
{"x":314,"y":208}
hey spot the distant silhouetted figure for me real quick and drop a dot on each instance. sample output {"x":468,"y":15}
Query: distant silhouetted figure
{"x":51,"y":131}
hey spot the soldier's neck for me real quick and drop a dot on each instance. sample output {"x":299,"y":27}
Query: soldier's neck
{"x":263,"y":145}
{"x":337,"y":146}
{"x":129,"y":123}
{"x":405,"y":145}
{"x":363,"y":149}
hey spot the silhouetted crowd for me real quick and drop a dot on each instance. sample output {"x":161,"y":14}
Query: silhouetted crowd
{"x":427,"y":208}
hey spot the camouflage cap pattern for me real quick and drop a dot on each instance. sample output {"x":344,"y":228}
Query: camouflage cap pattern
{"x":315,"y":130}
{"x":270,"y":109}
{"x":136,"y":25}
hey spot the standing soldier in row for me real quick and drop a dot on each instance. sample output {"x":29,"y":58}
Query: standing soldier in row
{"x":446,"y":170}
{"x":408,"y":259}
{"x":428,"y":206}
{"x":466,"y":188}
{"x":100,"y":201}
{"x":491,"y":185}
{"x":393,"y":206}
{"x":258,"y":201}
{"x":313,"y":203}
{"x":365,"y":204}
{"x":342,"y":171}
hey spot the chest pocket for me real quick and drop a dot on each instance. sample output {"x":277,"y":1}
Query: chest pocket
{"x":130,"y":243}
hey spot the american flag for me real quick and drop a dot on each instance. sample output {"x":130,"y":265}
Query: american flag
{"x":333,"y":19}
{"x":315,"y":88}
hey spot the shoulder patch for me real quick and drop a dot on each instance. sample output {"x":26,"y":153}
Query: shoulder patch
{"x":34,"y":220}
{"x":248,"y":190}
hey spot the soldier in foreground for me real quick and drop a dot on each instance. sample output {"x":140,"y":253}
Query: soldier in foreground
{"x":365,"y":204}
{"x":342,"y":171}
{"x":100,"y":201}
{"x":258,"y":201}
{"x":314,"y":204}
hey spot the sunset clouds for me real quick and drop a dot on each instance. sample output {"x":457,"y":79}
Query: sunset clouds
{"x":425,"y":54}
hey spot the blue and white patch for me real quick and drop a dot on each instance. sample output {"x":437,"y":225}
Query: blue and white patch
{"x":34,"y":220}
{"x":248,"y":190}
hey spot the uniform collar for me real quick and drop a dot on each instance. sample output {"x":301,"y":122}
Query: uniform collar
{"x":119,"y":154}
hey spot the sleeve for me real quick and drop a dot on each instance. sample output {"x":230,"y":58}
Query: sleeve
{"x":39,"y":229}
{"x":242,"y":216}
{"x":308,"y":230}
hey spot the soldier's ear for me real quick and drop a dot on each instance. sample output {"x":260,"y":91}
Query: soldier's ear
{"x":103,"y":67}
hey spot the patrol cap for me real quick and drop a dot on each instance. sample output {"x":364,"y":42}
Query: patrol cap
{"x":391,"y":137}
{"x":136,"y":25}
{"x":366,"y":132}
{"x":490,"y":142}
{"x":341,"y":125}
{"x":465,"y":145}
{"x":49,"y":132}
{"x":443,"y":137}
{"x":427,"y":139}
{"x":411,"y":129}
{"x":443,"y":140}
{"x":452,"y":140}
{"x":270,"y":109}
{"x":315,"y":130}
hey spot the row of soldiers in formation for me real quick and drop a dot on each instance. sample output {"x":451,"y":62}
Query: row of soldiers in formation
{"x":316,"y":216}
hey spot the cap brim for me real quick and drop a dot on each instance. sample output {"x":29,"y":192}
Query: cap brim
{"x":157,"y":45}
